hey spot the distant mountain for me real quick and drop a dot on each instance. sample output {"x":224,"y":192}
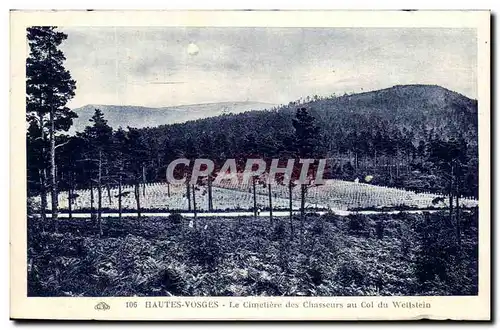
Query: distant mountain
{"x":380,"y":132}
{"x":140,"y":117}
{"x":420,"y":110}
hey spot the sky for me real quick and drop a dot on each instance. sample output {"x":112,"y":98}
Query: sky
{"x":153,"y":66}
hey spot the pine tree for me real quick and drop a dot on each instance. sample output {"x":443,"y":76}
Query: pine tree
{"x":449,"y":157}
{"x":99,"y":138}
{"x":49,"y":87}
{"x":120,"y":156}
{"x":191,"y":153}
{"x":37,"y":162}
{"x":137,"y":152}
{"x":67,"y":160}
{"x":306,"y":142}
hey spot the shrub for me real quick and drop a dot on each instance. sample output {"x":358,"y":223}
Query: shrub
{"x":318,"y":227}
{"x":359,"y":224}
{"x":438,"y":254}
{"x":175,"y":218}
{"x":204,"y":248}
{"x":172,"y":280}
{"x":332,"y":218}
{"x":316,"y":265}
{"x":315,"y":273}
{"x":351,"y":272}
{"x":379,"y":228}
{"x":278,"y":231}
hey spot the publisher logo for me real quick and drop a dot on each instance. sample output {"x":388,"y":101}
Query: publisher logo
{"x":102,"y":306}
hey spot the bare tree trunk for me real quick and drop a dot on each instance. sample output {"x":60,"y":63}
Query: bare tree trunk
{"x":43,"y":176}
{"x":291,"y":206}
{"x":188,"y":193}
{"x":303,"y":189}
{"x":70,"y":197}
{"x":194,"y":203}
{"x":99,"y":195}
{"x":92,"y":213}
{"x":143,"y":180}
{"x":457,"y":212}
{"x":53,"y":187}
{"x":254,"y":199}
{"x":137,"y":198}
{"x":210,"y":201}
{"x":302,"y":202}
{"x":120,"y":194}
{"x":43,"y":195}
{"x":450,"y":191}
{"x":270,"y":203}
{"x":108,"y":188}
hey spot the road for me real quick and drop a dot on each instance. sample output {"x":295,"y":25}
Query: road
{"x":239,"y":213}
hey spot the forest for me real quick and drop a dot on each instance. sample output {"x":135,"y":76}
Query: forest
{"x":408,"y":154}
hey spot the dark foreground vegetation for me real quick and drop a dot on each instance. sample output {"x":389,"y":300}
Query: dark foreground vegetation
{"x":404,"y":254}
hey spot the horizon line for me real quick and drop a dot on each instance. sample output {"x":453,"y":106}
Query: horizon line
{"x":273,"y":104}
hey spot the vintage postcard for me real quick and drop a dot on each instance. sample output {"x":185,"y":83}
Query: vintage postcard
{"x":250,"y":165}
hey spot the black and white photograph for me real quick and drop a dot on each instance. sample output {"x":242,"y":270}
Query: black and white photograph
{"x":252,"y":161}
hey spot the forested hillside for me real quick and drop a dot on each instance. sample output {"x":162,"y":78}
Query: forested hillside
{"x":412,"y":136}
{"x":389,"y":133}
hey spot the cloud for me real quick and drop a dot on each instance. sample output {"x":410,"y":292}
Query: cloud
{"x":153,"y":66}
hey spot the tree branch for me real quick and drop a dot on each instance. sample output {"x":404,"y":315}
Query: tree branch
{"x":61,"y":144}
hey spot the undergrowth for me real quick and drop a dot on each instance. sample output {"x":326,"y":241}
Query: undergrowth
{"x":329,"y":255}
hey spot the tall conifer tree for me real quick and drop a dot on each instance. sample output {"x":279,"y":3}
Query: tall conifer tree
{"x":49,"y":87}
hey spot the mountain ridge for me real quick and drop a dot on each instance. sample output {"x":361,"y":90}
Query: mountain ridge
{"x":142,"y":116}
{"x":408,"y":105}
{"x":421,"y":109}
